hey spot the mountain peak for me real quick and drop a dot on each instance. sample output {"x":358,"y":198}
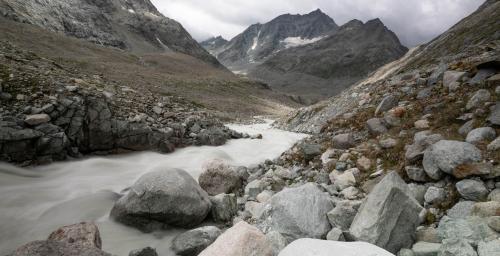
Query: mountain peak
{"x":317,"y":11}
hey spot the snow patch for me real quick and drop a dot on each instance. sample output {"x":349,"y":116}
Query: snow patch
{"x":131,"y":11}
{"x":255,"y":42}
{"x":298,"y":41}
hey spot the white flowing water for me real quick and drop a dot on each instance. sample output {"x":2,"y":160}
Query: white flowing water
{"x":34,"y":202}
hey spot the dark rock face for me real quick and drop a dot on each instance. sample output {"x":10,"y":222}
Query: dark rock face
{"x":327,"y":67}
{"x":79,"y":124}
{"x":127,"y":24}
{"x":260,"y":41}
{"x":163,"y":197}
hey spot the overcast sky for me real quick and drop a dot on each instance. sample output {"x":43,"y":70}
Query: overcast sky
{"x":414,"y":21}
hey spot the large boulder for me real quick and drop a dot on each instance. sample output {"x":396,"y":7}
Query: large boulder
{"x":447,"y":155}
{"x":85,"y":234}
{"x":220,"y":178}
{"x":242,"y":239}
{"x":164,"y":196}
{"x":389,"y":216}
{"x":316,"y":247}
{"x":192,"y":242}
{"x":286,"y":212}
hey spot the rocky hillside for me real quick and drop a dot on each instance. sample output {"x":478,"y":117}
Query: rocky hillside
{"x":327,"y":67}
{"x":136,"y":26}
{"x":214,"y":45}
{"x":63,"y":97}
{"x":260,"y":41}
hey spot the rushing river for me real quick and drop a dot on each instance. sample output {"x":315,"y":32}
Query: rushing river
{"x":34,"y":202}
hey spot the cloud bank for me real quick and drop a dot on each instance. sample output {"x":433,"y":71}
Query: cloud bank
{"x":414,"y":21}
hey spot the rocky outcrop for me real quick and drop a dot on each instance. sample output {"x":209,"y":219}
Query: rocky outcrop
{"x":136,"y":26}
{"x":389,"y":216}
{"x":163,"y":197}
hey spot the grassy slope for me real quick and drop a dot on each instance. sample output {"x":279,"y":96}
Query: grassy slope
{"x":167,"y":73}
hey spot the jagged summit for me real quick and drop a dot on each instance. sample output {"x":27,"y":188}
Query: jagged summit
{"x":259,"y":41}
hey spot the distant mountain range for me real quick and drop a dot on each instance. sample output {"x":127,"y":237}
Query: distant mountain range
{"x":132,"y":25}
{"x":309,"y":55}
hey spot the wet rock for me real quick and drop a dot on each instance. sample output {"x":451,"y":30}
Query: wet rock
{"x":456,"y":247}
{"x":316,"y":247}
{"x":164,"y":196}
{"x":240,"y":240}
{"x":387,"y":103}
{"x":37,"y":119}
{"x":84,"y":234}
{"x":472,"y":190}
{"x":284,"y":212}
{"x":481,"y":134}
{"x":147,"y":251}
{"x":218,"y":178}
{"x":343,"y":141}
{"x":389,"y":216}
{"x":446,"y":155}
{"x":376,"y":126}
{"x":478,"y":99}
{"x":224,"y":207}
{"x":192,"y":242}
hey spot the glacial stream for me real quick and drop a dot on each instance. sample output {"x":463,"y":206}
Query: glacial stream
{"x":34,"y":202}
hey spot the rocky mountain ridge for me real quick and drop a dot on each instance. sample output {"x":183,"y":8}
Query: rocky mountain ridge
{"x":214,"y":45}
{"x":135,"y":26}
{"x":327,"y":67}
{"x":259,"y":41}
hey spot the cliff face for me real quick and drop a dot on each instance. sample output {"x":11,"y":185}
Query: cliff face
{"x":132,"y":25}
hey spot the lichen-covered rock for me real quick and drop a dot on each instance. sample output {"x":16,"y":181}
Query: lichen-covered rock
{"x":84,"y":234}
{"x":481,"y":134}
{"x":56,"y":248}
{"x":471,"y":229}
{"x":473,"y":190}
{"x":456,"y":247}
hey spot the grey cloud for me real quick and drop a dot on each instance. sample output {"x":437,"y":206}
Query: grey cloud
{"x":414,"y":21}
